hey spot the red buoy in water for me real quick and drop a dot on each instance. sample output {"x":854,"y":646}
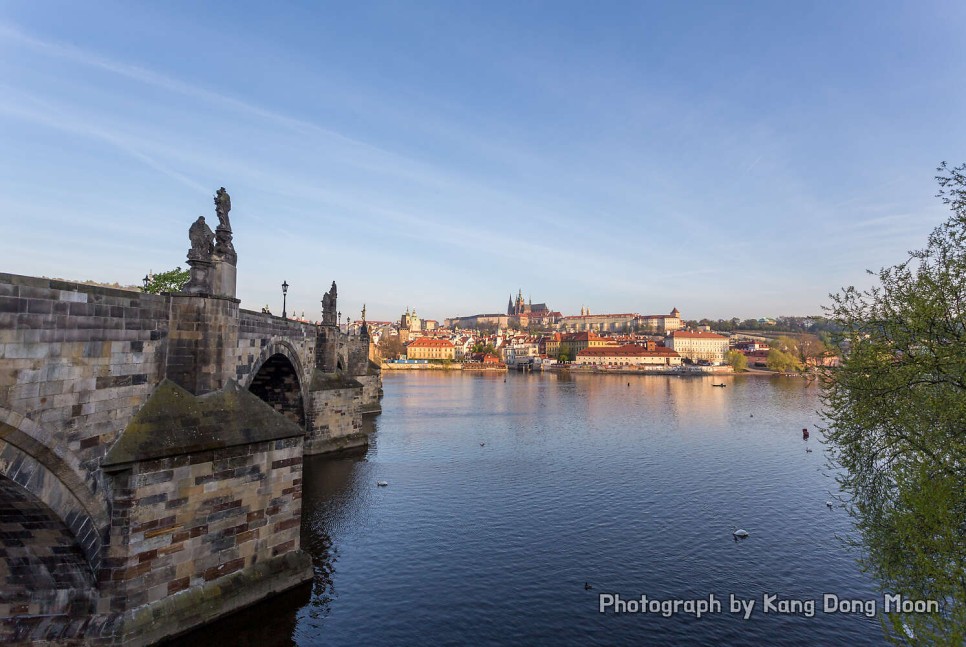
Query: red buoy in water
{"x":805,"y":434}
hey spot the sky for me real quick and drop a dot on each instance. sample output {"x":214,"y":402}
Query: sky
{"x":728,"y":159}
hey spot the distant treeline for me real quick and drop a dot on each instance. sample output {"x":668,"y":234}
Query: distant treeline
{"x":814,"y":325}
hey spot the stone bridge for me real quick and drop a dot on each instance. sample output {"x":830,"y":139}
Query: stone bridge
{"x":151,"y":449}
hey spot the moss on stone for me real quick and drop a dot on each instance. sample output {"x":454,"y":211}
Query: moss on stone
{"x":174,"y":422}
{"x":330,"y":381}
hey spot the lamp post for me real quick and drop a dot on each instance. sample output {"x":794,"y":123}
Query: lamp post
{"x":284,"y":293}
{"x":146,"y":279}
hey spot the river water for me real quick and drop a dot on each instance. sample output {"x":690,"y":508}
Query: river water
{"x":631,"y":484}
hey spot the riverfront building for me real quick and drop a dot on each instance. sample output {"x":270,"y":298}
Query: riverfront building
{"x":630,"y":355}
{"x":698,"y":346}
{"x":427,"y":348}
{"x":574,"y":342}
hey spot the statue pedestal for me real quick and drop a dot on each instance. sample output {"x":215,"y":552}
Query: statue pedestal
{"x":202,"y":277}
{"x":223,"y":279}
{"x":211,"y":278}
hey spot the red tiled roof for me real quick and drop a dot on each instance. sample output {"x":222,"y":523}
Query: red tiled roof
{"x":426,"y":342}
{"x":688,"y":334}
{"x":627,"y":351}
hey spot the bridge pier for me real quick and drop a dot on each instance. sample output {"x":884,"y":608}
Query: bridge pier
{"x":206,"y":495}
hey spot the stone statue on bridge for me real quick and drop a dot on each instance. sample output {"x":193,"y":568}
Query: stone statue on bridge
{"x":202,"y":240}
{"x":224,"y":248}
{"x":329,"y":316}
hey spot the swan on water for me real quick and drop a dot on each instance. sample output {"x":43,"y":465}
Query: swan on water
{"x":738,"y":532}
{"x":829,"y":504}
{"x":382,"y":483}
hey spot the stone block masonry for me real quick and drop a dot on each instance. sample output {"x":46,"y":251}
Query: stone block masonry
{"x":77,"y":361}
{"x":203,"y":488}
{"x":184,"y":524}
{"x":202,"y":342}
{"x":336,"y":408}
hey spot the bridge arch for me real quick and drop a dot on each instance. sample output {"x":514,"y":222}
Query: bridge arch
{"x":279,"y":379}
{"x":45,"y":473}
{"x":44,"y":568}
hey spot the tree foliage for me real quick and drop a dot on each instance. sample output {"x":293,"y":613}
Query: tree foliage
{"x":737,"y":360}
{"x":390,"y":347}
{"x":484,"y":348}
{"x":811,"y":350}
{"x":896,"y":412}
{"x":170,"y":281}
{"x":782,"y":360}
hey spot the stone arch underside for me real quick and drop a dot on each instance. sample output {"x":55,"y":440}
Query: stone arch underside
{"x":277,"y":383}
{"x":47,"y":475}
{"x":47,"y":590}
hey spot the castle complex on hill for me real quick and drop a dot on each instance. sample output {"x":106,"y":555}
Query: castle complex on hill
{"x":521,"y":314}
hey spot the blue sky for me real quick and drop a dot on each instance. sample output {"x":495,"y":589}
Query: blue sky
{"x":730,"y":159}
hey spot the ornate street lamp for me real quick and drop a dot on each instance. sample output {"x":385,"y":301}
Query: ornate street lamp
{"x":147,"y":280}
{"x":284,"y":293}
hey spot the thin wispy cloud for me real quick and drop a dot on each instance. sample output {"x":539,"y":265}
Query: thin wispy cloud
{"x":624,"y":171}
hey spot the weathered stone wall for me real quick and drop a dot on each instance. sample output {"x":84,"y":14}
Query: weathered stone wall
{"x":86,"y":519}
{"x":336,"y":409}
{"x":357,"y":351}
{"x":371,"y":401}
{"x":49,"y":588}
{"x":185,"y":521}
{"x":260,"y":336}
{"x":329,"y":353}
{"x":76,"y":362}
{"x":202,"y":342}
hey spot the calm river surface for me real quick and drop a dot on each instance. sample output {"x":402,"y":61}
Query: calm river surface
{"x":633,"y":489}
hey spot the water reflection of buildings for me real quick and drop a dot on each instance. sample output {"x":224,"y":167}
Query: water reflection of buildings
{"x":688,"y":402}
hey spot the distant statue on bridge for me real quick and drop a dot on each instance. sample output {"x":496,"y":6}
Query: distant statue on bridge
{"x":224,"y":248}
{"x":222,"y":207}
{"x":329,"y":315}
{"x":202,"y":240}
